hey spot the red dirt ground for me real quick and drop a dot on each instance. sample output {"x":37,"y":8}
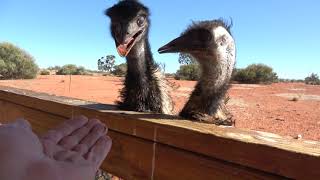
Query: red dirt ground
{"x":258,"y":107}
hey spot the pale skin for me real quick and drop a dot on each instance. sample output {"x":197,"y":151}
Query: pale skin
{"x":74,"y":150}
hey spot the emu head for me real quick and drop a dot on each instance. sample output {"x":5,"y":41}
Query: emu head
{"x":129,"y":24}
{"x":203,"y":40}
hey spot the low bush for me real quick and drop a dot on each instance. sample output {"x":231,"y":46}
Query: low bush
{"x":120,"y":70}
{"x":188,"y":72}
{"x":44,"y":72}
{"x":16,"y":63}
{"x":313,"y":79}
{"x":71,"y":69}
{"x":255,"y":74}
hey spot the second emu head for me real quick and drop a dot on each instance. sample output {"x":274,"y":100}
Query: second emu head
{"x":203,"y":38}
{"x":212,"y":45}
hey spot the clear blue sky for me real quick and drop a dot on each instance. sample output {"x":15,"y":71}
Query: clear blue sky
{"x":281,"y":33}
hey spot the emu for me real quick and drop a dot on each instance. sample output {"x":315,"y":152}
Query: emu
{"x":145,"y":89}
{"x":212,"y":45}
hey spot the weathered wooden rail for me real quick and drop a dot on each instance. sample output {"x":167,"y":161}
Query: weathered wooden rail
{"x":152,"y":146}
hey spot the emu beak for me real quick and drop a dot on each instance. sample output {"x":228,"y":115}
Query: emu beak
{"x":125,"y":47}
{"x":179,"y":44}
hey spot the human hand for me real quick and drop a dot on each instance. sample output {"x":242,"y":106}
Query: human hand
{"x":74,"y":150}
{"x":79,"y":146}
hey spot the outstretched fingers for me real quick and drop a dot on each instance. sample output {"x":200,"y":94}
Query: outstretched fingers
{"x":90,"y":139}
{"x":79,"y":140}
{"x":52,"y":137}
{"x":65,"y":129}
{"x":99,"y":151}
{"x":69,"y":156}
{"x":74,"y":138}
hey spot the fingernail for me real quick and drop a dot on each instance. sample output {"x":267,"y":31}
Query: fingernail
{"x":95,"y":121}
{"x":108,"y":138}
{"x":105,"y":129}
{"x":82,"y":117}
{"x":99,"y":129}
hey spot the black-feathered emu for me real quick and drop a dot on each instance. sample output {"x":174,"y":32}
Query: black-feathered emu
{"x":145,"y":89}
{"x":212,"y":45}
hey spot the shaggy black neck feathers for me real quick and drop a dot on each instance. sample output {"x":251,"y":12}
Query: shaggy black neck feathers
{"x":141,"y":91}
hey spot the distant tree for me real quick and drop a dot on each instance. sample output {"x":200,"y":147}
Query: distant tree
{"x":188,"y":72}
{"x":120,"y":70}
{"x":162,"y":67}
{"x":56,"y":68}
{"x":106,"y":63}
{"x":185,"y":59}
{"x":44,"y":72}
{"x":67,"y":70}
{"x":256,"y":73}
{"x":189,"y":69}
{"x":291,"y":80}
{"x":81,"y":71}
{"x":313,"y":79}
{"x":101,"y":64}
{"x":71,"y":69}
{"x":234,"y":73}
{"x":15,"y":63}
{"x":170,"y":75}
{"x":284,"y":80}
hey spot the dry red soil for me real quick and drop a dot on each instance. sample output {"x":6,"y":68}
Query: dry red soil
{"x":267,"y":108}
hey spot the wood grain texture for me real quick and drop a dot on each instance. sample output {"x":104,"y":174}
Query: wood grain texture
{"x":135,"y":158}
{"x":261,"y":151}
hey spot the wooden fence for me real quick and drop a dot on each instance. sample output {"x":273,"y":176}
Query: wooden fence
{"x":153,"y":146}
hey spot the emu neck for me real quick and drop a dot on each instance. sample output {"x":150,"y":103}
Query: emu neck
{"x":211,"y":88}
{"x":215,"y":73}
{"x":141,"y":89}
{"x":139,"y":59}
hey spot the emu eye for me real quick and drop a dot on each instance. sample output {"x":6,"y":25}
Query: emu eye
{"x":141,"y":20}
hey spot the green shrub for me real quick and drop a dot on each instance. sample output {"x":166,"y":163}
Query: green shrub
{"x":188,"y":72}
{"x":120,"y":70}
{"x":67,"y":70}
{"x":81,"y":71}
{"x":16,"y":63}
{"x":55,"y":68}
{"x":313,"y":79}
{"x":71,"y":69}
{"x":44,"y":72}
{"x":170,"y":75}
{"x":256,"y":74}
